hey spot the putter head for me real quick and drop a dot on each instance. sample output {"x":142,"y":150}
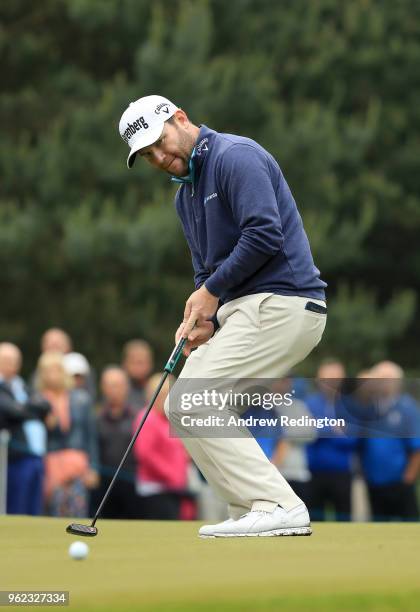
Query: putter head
{"x":82,"y":530}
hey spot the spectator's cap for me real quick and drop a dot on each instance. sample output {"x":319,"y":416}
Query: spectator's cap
{"x":76,"y":364}
{"x":142,"y":123}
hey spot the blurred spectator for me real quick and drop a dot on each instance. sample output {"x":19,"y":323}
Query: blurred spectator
{"x":356,"y":394}
{"x":72,"y":456}
{"x":53,"y":340}
{"x":115,"y":430}
{"x":330,"y":458}
{"x":10,"y":365}
{"x":268,"y":436}
{"x":56,"y":340}
{"x":300,"y":387}
{"x":77,"y":366}
{"x":290,"y":455}
{"x":27,"y":445}
{"x":285,"y":446}
{"x":137,"y":361}
{"x":162,"y":462}
{"x":391,"y":463}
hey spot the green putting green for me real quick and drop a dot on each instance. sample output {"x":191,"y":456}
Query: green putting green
{"x":164,"y":566}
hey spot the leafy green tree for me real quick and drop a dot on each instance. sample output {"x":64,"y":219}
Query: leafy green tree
{"x":330,"y":88}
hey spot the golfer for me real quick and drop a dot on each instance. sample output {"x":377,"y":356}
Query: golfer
{"x":259,"y":304}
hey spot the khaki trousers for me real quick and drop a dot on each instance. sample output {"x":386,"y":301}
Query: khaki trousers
{"x":260,"y":336}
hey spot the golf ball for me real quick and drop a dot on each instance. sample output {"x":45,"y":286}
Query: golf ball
{"x":78,"y":550}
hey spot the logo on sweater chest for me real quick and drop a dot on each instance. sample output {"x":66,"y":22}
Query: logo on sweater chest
{"x":202,"y":146}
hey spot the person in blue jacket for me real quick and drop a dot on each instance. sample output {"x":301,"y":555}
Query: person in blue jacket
{"x":330,"y":456}
{"x":259,"y":304}
{"x":390,"y":446}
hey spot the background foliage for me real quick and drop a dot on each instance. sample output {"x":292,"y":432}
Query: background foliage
{"x":330,"y":88}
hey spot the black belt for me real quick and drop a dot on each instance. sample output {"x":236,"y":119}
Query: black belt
{"x":314,"y":307}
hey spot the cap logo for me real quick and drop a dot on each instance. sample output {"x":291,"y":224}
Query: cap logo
{"x":164,"y":107}
{"x":134,"y":127}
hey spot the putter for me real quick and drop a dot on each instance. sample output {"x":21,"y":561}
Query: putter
{"x":91,"y":530}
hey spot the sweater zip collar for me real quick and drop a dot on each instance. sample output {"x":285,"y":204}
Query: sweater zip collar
{"x":197,"y":157}
{"x":190,"y":177}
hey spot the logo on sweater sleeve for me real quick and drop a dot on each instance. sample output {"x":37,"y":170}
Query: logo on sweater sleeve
{"x":210,"y":197}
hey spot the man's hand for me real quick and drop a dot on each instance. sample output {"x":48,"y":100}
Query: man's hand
{"x":199,"y":335}
{"x":91,"y":479}
{"x":51,"y":421}
{"x":412,"y":469}
{"x":199,"y":308}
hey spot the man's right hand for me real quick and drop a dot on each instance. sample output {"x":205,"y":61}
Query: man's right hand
{"x":200,"y":334}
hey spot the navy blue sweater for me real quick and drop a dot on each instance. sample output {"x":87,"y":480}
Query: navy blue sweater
{"x":241,"y":222}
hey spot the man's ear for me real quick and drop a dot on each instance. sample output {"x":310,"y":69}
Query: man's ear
{"x":181,"y":118}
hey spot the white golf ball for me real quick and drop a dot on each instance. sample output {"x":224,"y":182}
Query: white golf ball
{"x":78,"y":550}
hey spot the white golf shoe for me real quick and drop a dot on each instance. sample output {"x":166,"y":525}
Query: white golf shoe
{"x":207,"y":531}
{"x":260,"y":523}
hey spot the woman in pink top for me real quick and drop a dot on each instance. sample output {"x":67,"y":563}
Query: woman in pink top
{"x":161,"y":461}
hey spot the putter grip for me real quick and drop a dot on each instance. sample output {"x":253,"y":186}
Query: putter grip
{"x":176,"y":354}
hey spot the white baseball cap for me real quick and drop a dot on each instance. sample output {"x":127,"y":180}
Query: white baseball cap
{"x":142,"y":122}
{"x":76,"y":363}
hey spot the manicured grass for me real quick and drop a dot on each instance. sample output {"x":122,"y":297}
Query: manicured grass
{"x":162,"y":566}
